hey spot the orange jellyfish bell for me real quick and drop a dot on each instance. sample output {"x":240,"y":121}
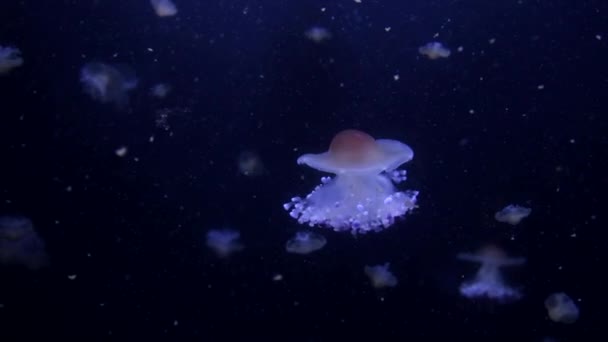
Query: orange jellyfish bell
{"x":354,"y":151}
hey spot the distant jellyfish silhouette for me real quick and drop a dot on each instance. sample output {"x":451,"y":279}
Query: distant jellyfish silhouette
{"x":160,"y":90}
{"x":224,"y":242}
{"x":488,"y":282}
{"x":380,"y":276}
{"x":20,"y":244}
{"x":305,"y":242}
{"x":512,"y":214}
{"x":164,"y":8}
{"x":318,"y":34}
{"x":361,"y":197}
{"x":250,"y":164}
{"x":561,"y":308}
{"x":108,"y":83}
{"x":10,"y":58}
{"x":434,"y":50}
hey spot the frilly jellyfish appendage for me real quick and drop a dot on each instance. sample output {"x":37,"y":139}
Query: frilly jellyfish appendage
{"x":361,"y":197}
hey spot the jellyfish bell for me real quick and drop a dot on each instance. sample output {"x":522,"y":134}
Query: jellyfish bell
{"x":362,"y":195}
{"x":164,"y":8}
{"x":381,"y":276}
{"x":108,"y":83}
{"x":561,"y":308}
{"x":352,"y":151}
{"x":20,"y":244}
{"x":512,"y":214}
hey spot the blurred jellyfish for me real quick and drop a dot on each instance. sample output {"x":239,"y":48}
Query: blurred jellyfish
{"x":20,"y":244}
{"x":434,"y":50}
{"x":305,"y":242}
{"x":512,"y":214}
{"x":160,"y":90}
{"x":10,"y":57}
{"x":561,"y":308}
{"x":488,"y":282}
{"x":164,"y":8}
{"x":380,"y":276}
{"x":224,"y":242}
{"x":361,"y":197}
{"x":250,"y":164}
{"x":108,"y":84}
{"x":317,"y":34}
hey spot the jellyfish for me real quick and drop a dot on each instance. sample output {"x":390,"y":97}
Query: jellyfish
{"x":317,"y":34}
{"x":561,"y":308}
{"x":107,"y":83}
{"x":20,"y":244}
{"x":361,"y":197}
{"x":250,"y":164}
{"x":380,"y":276}
{"x":164,"y":8}
{"x":10,"y":57}
{"x":488,"y":282}
{"x":305,"y":242}
{"x":512,"y":214}
{"x":160,"y":90}
{"x":224,"y":242}
{"x":434,"y":50}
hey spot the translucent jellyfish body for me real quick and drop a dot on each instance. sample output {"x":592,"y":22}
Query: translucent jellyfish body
{"x":20,"y":244}
{"x":305,"y":243}
{"x":488,"y":282}
{"x":224,"y":242}
{"x":434,"y":50}
{"x":512,"y":214}
{"x":164,"y":8}
{"x":10,"y":57}
{"x":107,"y":83}
{"x":561,"y":308}
{"x":361,"y":197}
{"x":380,"y":276}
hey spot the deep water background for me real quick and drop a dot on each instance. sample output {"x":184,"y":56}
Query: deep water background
{"x":245,"y":78}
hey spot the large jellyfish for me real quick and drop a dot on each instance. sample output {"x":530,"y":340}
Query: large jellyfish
{"x":361,"y":197}
{"x":20,"y":244}
{"x":10,"y":57}
{"x":305,"y":242}
{"x":561,"y":308}
{"x":512,"y":214}
{"x":488,"y":282}
{"x":224,"y":242}
{"x":108,"y":83}
{"x":380,"y":276}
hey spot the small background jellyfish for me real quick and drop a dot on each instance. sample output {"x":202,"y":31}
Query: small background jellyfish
{"x":434,"y":50}
{"x":380,"y":276}
{"x":224,"y":242}
{"x":160,"y":90}
{"x":108,"y":83}
{"x":250,"y":164}
{"x":561,"y":308}
{"x":512,"y":214}
{"x":318,"y":34}
{"x":10,"y":57}
{"x":164,"y":8}
{"x":488,"y":282}
{"x":20,"y":244}
{"x":305,"y":242}
{"x":361,"y":197}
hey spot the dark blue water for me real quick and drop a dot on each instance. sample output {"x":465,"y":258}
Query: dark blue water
{"x":518,"y":116}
